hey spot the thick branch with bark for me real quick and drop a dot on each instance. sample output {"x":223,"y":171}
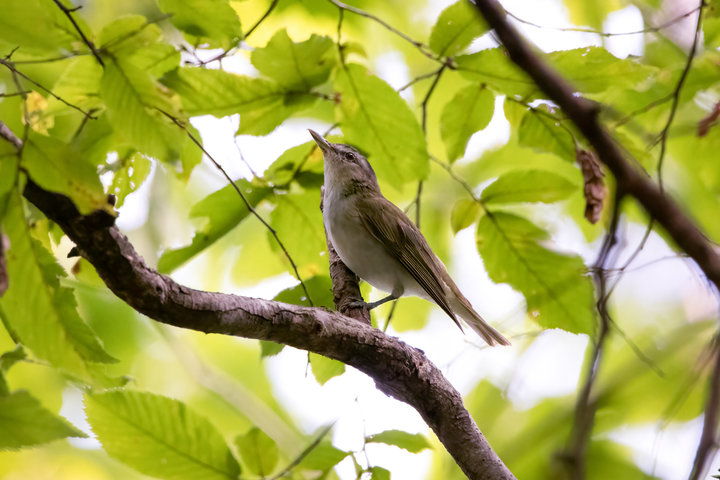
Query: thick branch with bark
{"x":399,"y":370}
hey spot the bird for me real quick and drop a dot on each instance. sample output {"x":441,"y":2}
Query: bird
{"x":381,"y":245}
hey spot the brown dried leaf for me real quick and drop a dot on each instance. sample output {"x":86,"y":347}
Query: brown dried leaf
{"x":595,"y":190}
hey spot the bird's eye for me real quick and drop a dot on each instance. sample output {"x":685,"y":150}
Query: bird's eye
{"x":349,"y":156}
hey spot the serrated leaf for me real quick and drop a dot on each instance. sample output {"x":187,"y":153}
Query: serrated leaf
{"x":159,"y":436}
{"x":212,"y":23}
{"x":374,"y":117}
{"x":305,"y":157}
{"x":58,"y":167}
{"x":49,"y":324}
{"x":262,"y":104}
{"x":259,"y":452}
{"x":323,"y":457}
{"x":412,"y":442}
{"x":457,"y":26}
{"x":556,"y":288}
{"x":588,"y":70}
{"x":528,"y":186}
{"x":297,"y":66}
{"x":298,"y":222}
{"x":224,"y":210}
{"x":135,"y":104}
{"x":470,"y":110}
{"x":25,"y":422}
{"x":464,"y":213}
{"x":324,"y":368}
{"x":540,"y":131}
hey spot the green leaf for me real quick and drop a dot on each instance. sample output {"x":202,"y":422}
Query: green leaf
{"x":324,"y":368}
{"x":588,"y":70}
{"x":528,"y":186}
{"x":302,"y":158}
{"x":323,"y":457}
{"x":129,"y":176}
{"x":216,"y":92}
{"x":296,"y":66}
{"x":319,"y":287}
{"x":298,"y":222}
{"x":10,"y":358}
{"x":36,"y":28}
{"x":470,"y":110}
{"x":262,"y":104}
{"x":128,"y":35}
{"x":493,"y":68}
{"x":211,"y":23}
{"x":224,"y":210}
{"x":557,"y":291}
{"x":264,"y":120}
{"x":58,"y":167}
{"x":464,"y":213}
{"x":25,"y":422}
{"x":374,"y":117}
{"x":379,"y":473}
{"x":78,"y":85}
{"x":49,"y":324}
{"x":540,"y":131}
{"x":457,"y":26}
{"x":135,"y":104}
{"x":259,"y":452}
{"x":268,"y":348}
{"x":412,"y":442}
{"x":591,"y":14}
{"x":159,"y":436}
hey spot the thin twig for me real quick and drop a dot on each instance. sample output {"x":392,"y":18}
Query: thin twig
{"x":424,"y":76}
{"x":709,"y":437}
{"x":424,"y":49}
{"x":250,"y":208}
{"x":584,"y":419}
{"x":296,"y":461}
{"x":600,"y":32}
{"x":87,"y":41}
{"x":11,"y":66}
{"x":262,"y":19}
{"x":676,"y":94}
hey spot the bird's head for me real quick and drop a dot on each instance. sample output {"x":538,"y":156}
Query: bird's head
{"x":345,"y":167}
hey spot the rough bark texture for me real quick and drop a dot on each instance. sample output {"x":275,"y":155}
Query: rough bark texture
{"x":398,"y":369}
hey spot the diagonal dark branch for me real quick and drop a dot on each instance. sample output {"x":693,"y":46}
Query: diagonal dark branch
{"x":709,"y":437}
{"x":68,"y":13}
{"x":584,"y":114}
{"x":399,"y":370}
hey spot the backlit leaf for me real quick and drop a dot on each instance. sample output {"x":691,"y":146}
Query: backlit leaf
{"x":211,"y":23}
{"x":470,"y":110}
{"x":259,"y":452}
{"x":324,"y":368}
{"x":528,"y":186}
{"x":457,"y":26}
{"x":374,"y":117}
{"x":412,"y":442}
{"x":159,"y":436}
{"x":557,"y":290}
{"x":25,"y":422}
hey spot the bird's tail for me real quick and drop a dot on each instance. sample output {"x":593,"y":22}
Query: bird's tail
{"x":463,"y":309}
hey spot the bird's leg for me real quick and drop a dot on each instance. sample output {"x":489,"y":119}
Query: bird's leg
{"x":371,"y":305}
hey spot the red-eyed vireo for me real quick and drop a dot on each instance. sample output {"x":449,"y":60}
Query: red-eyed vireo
{"x":378,"y":242}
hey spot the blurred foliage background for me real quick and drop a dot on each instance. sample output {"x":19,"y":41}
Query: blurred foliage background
{"x":103,"y":94}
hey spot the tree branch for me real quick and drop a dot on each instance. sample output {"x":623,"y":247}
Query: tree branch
{"x":399,"y":370}
{"x":584,"y":114}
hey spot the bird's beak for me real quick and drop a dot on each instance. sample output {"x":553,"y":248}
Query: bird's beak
{"x":322,"y":143}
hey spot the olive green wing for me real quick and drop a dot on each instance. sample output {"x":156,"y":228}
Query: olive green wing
{"x":403,"y":240}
